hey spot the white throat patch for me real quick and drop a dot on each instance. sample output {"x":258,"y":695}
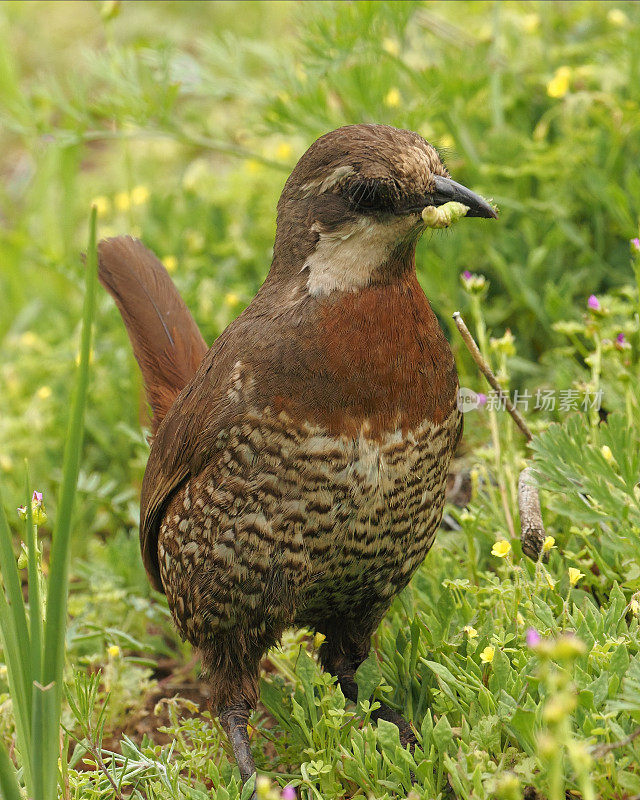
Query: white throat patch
{"x":345,"y":259}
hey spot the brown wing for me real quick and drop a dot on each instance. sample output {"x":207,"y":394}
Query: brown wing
{"x":166,"y":341}
{"x":189,"y":438}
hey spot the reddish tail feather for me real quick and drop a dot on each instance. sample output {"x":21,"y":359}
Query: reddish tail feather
{"x":166,"y":341}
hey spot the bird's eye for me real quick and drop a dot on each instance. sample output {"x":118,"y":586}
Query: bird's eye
{"x":372,"y":195}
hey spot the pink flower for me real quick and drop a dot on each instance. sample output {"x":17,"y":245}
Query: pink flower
{"x":37,"y":498}
{"x":467,"y":275}
{"x":635,"y":244}
{"x":593,"y":303}
{"x":620,"y":338}
{"x":481,"y":399}
{"x":288,"y":793}
{"x":533,"y":637}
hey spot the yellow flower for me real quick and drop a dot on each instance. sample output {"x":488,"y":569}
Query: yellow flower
{"x":472,"y":633}
{"x":170,"y":263}
{"x":284,"y":151}
{"x":486,"y":656}
{"x":549,"y":580}
{"x":113,"y":651}
{"x":501,"y":548}
{"x":617,"y":17}
{"x":548,"y":544}
{"x":6,"y":463}
{"x":574,"y":575}
{"x":263,"y":787}
{"x":253,"y":166}
{"x":102,"y":204}
{"x":530,"y":22}
{"x":392,"y":99}
{"x":44,"y":393}
{"x":29,"y":339}
{"x":140,"y":195}
{"x":318,"y":639}
{"x":391,"y":46}
{"x":606,"y":452}
{"x":634,"y":606}
{"x":122,"y":201}
{"x":231,"y":299}
{"x":447,"y":141}
{"x":519,"y":619}
{"x":558,"y":86}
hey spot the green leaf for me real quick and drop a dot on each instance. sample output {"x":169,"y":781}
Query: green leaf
{"x":442,"y":734}
{"x":306,"y":670}
{"x":368,"y":677}
{"x":522,"y":726}
{"x":544,"y":613}
{"x":248,"y":788}
{"x":500,"y":671}
{"x":388,"y":737}
{"x":617,"y":605}
{"x":619,"y":662}
{"x":600,"y":689}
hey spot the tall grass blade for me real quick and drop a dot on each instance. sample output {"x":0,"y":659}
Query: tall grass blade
{"x":15,"y":642}
{"x":35,"y":603}
{"x":45,"y":741}
{"x":55,"y":626}
{"x":9,"y":789}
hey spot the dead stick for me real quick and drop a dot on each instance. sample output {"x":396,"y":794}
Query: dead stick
{"x":532,"y":533}
{"x":486,"y":370}
{"x":603,"y":749}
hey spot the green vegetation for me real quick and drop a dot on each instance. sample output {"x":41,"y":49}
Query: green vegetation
{"x":179,"y":121}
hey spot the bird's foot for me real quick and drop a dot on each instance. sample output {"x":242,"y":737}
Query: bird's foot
{"x":234,"y":723}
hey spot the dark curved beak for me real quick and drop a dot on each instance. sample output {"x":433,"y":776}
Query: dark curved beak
{"x":447,"y":190}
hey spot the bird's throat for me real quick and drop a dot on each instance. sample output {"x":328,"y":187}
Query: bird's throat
{"x":363,"y":252}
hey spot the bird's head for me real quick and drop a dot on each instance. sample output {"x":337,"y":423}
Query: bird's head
{"x":350,"y":213}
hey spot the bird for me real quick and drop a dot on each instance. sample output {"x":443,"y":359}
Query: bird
{"x":298,"y":466}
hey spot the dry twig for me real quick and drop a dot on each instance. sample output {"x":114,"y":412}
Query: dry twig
{"x":603,"y":749}
{"x":532,"y":533}
{"x":483,"y":366}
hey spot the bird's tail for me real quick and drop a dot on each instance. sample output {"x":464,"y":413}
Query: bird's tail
{"x":166,"y":341}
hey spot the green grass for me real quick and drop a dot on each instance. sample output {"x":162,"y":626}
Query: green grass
{"x":181,"y":121}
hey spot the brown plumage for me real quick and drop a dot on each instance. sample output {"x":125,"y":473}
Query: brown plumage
{"x":166,"y":341}
{"x":299,"y":476}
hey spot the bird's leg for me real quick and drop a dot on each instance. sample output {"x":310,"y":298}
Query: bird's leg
{"x":234,"y":722}
{"x":231,"y":663}
{"x":342,"y":652}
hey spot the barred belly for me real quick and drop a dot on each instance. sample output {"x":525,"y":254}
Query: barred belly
{"x":288,"y":524}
